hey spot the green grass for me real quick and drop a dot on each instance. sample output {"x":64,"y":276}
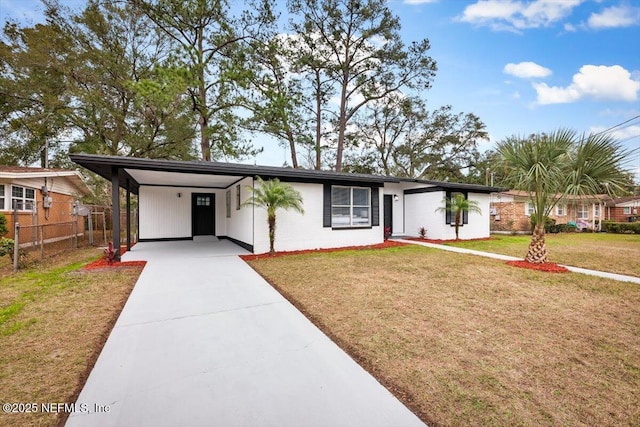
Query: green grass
{"x":615,"y":253}
{"x":54,"y":319}
{"x":32,"y":285}
{"x":467,"y":340}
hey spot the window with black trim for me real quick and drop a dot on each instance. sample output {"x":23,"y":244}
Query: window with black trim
{"x":23,"y":198}
{"x":228,"y":203}
{"x":450,"y":216}
{"x":1,"y":197}
{"x":238,"y":197}
{"x":350,"y":206}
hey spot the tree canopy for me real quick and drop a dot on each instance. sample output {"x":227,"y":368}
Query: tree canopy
{"x":331,"y":80}
{"x":553,"y":166}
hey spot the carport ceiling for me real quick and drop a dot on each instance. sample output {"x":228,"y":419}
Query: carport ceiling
{"x":177,"y":179}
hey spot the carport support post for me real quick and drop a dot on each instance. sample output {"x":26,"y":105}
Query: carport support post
{"x":115,"y":208}
{"x":128,"y":216}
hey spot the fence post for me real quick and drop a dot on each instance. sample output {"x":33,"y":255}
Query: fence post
{"x":16,"y":245}
{"x":90,"y":219}
{"x":41,"y":230}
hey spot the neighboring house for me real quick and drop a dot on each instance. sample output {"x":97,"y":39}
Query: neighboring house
{"x":624,"y":209}
{"x":511,"y":211}
{"x":181,"y":200}
{"x":35,"y":196}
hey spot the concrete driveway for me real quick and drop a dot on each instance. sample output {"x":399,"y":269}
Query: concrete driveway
{"x":204,"y":341}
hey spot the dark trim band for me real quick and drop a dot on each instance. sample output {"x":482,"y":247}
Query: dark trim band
{"x":166,"y":239}
{"x":238,"y":242}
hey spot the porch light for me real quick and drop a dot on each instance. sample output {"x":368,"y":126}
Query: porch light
{"x":395,"y":198}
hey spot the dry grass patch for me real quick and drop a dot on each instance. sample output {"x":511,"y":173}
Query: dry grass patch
{"x":465,"y":340}
{"x":615,"y":253}
{"x":53,"y":323}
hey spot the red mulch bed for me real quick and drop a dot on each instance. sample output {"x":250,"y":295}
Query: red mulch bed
{"x":102,"y":263}
{"x":549,"y":267}
{"x":440,"y":242}
{"x":386,"y":244}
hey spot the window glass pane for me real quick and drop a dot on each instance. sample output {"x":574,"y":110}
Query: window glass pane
{"x":582,"y":212}
{"x":30,"y":193}
{"x":28,"y":205}
{"x":361,"y":197}
{"x":340,"y":196}
{"x":340,"y":217}
{"x":1,"y":203}
{"x":1,"y":190}
{"x":360,"y":216}
{"x":626,"y":210}
{"x":17,"y":191}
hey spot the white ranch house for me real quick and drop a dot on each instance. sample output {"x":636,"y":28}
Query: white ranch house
{"x":180,"y":200}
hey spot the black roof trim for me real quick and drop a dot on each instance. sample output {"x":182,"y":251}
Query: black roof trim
{"x":102,"y":164}
{"x":475,"y":188}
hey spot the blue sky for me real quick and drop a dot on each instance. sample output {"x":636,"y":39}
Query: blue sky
{"x":534,"y":66}
{"x":521,"y":66}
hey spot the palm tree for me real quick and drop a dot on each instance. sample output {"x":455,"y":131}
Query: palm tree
{"x":457,"y":205}
{"x":272,"y":195}
{"x":555,"y":166}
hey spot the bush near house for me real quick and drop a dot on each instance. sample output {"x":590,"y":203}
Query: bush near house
{"x":621,"y":227}
{"x":3,"y":225}
{"x":548,"y":223}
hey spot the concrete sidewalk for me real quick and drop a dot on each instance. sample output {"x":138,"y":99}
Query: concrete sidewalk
{"x":603,"y":274}
{"x":204,"y":341}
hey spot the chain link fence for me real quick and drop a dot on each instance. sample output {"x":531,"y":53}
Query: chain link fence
{"x":40,"y":232}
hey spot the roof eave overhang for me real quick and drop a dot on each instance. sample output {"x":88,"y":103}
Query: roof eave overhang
{"x":103,"y":166}
{"x":73,"y":176}
{"x":474,"y":188}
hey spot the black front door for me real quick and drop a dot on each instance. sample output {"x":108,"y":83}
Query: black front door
{"x":202,"y":217}
{"x":388,"y":212}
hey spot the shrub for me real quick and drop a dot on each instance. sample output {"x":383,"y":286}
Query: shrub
{"x":3,"y":225}
{"x":422,"y":231}
{"x":387,"y":233}
{"x":110,"y":253}
{"x":548,"y":223}
{"x":621,"y":227}
{"x":7,"y":248}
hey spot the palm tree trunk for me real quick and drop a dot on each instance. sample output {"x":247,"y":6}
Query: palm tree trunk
{"x":457,"y":223}
{"x":537,"y":253}
{"x":272,"y":234}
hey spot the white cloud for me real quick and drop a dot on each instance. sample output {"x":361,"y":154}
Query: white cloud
{"x":620,"y":134}
{"x":526,"y":70}
{"x":594,"y":81}
{"x":615,"y":16}
{"x":570,"y":28}
{"x":516,"y":15}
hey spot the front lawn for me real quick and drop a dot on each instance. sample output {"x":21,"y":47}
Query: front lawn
{"x":54,"y":320}
{"x":466,"y":340}
{"x":615,"y":253}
